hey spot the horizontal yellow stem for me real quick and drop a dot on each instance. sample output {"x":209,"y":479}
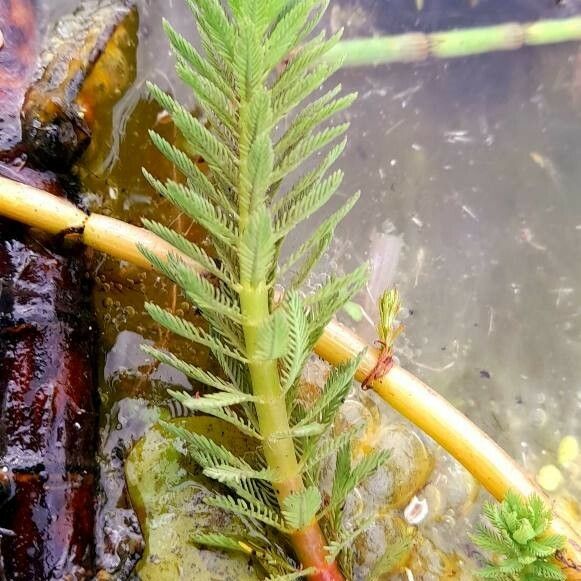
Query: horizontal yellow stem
{"x":430,"y":412}
{"x":38,"y":209}
{"x":121,"y":240}
{"x":42,"y":210}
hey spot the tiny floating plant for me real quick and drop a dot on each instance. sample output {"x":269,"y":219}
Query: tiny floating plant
{"x":261,"y":63}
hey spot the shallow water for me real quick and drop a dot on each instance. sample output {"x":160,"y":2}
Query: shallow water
{"x":469,"y":175}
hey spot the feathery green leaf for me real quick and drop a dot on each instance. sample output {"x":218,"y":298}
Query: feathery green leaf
{"x":204,"y":295}
{"x":223,"y":413}
{"x":209,"y":96}
{"x":331,"y":297}
{"x":194,"y":251}
{"x":257,"y":249}
{"x":334,"y":392}
{"x":189,"y":370}
{"x":272,"y":340}
{"x":286,"y":98}
{"x":311,"y":200}
{"x":201,"y":140}
{"x":303,"y":60}
{"x":298,"y":339}
{"x":249,"y":510}
{"x":311,"y":251}
{"x":211,"y":217}
{"x":218,"y":31}
{"x":209,"y":403}
{"x":186,"y":52}
{"x":190,"y":331}
{"x":305,"y":148}
{"x":197,"y":181}
{"x":313,"y":115}
{"x":300,"y":508}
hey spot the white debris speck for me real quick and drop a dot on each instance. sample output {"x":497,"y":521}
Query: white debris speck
{"x":113,"y":193}
{"x":163,"y":117}
{"x":470,"y":212}
{"x":457,"y":137}
{"x":416,"y":511}
{"x":526,"y":235}
{"x":417,"y":221}
{"x":491,"y":321}
{"x":561,"y":293}
{"x":420,"y":258}
{"x":408,"y":92}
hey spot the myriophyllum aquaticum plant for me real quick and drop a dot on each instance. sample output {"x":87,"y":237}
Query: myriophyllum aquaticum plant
{"x":257,"y":81}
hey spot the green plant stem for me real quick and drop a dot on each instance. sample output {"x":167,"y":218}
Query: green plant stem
{"x":454,"y":43}
{"x":308,"y":542}
{"x":270,"y":404}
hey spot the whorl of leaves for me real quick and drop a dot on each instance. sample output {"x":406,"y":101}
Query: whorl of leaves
{"x":516,"y":533}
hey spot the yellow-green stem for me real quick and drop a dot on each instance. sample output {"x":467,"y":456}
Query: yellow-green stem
{"x":270,"y":404}
{"x":309,"y":543}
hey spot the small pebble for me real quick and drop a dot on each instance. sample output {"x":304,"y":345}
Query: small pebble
{"x":568,"y":450}
{"x":549,"y":477}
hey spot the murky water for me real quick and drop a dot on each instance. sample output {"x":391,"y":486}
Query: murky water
{"x":469,"y":174}
{"x":469,"y":177}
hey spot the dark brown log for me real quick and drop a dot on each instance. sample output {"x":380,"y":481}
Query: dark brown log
{"x":48,"y":407}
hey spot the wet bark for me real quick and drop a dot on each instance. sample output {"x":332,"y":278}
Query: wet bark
{"x":47,"y":404}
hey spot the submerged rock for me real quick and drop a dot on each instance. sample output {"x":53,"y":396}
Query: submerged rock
{"x":169,"y":502}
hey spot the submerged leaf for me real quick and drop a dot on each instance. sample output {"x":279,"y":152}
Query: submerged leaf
{"x":273,"y":338}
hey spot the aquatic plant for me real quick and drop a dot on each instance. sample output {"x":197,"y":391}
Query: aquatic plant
{"x":401,"y":389}
{"x":261,"y":63}
{"x":517,"y":534}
